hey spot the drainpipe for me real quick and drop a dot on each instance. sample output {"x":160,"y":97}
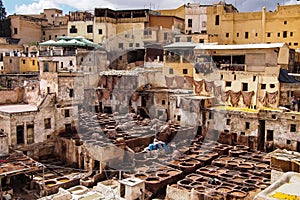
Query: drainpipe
{"x":263,"y":24}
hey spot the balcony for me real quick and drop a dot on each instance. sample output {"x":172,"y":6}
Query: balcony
{"x":233,"y":67}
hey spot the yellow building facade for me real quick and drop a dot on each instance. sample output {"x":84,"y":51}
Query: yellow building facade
{"x":28,"y":64}
{"x":233,"y":27}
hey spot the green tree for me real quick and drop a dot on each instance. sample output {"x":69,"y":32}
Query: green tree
{"x":4,"y":22}
{"x":2,"y":11}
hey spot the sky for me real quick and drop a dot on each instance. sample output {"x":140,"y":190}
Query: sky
{"x":37,"y":6}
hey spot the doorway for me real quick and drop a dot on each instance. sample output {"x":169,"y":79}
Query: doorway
{"x":261,"y":135}
{"x":20,"y":134}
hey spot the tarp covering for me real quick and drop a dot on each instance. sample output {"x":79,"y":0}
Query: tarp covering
{"x":285,"y":78}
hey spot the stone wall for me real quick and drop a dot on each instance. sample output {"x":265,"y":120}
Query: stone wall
{"x":11,"y":96}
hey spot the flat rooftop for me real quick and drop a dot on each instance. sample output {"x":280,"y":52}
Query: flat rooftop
{"x":18,"y":108}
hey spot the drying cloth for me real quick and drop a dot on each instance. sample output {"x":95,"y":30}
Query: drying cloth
{"x":110,"y":83}
{"x":179,"y":81}
{"x":247,"y":97}
{"x":235,"y":98}
{"x":116,"y":79}
{"x":135,"y":96}
{"x":106,"y":94}
{"x":195,"y":105}
{"x":198,"y":86}
{"x":225,"y":96}
{"x":218,"y":91}
{"x":189,"y":81}
{"x":99,"y":95}
{"x":272,"y":97}
{"x":209,"y":85}
{"x":102,"y":81}
{"x":169,"y":81}
{"x":120,"y":96}
{"x":185,"y":104}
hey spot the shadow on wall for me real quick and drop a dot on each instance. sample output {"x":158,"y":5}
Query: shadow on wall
{"x":11,"y":96}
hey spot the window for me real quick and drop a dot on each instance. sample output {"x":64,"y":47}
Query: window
{"x":30,"y":133}
{"x":68,"y":128}
{"x":227,"y":35}
{"x":49,"y":37}
{"x":15,"y":31}
{"x":130,"y":44}
{"x":217,"y":20}
{"x":67,"y":113}
{"x":89,"y":28}
{"x":237,"y":34}
{"x":165,"y":36}
{"x":228,"y":122}
{"x":100,"y":31}
{"x":263,"y":86}
{"x":178,"y":118}
{"x":247,"y":125}
{"x":137,"y":44}
{"x":211,"y":115}
{"x":256,"y":34}
{"x":177,"y":39}
{"x":278,"y":34}
{"x":293,"y":128}
{"x":268,"y":34}
{"x":46,"y":67}
{"x":221,"y":77}
{"x":61,"y":64}
{"x":284,"y":34}
{"x":272,"y":85}
{"x":163,"y":102}
{"x":244,"y":86}
{"x":288,"y":142}
{"x":189,"y":39}
{"x":23,"y":61}
{"x":20,"y":134}
{"x":270,"y":134}
{"x":10,"y":60}
{"x":171,"y":71}
{"x":285,"y":22}
{"x":246,"y":35}
{"x":71,"y":93}
{"x":70,"y":63}
{"x":234,"y":77}
{"x":190,"y":23}
{"x":73,"y":29}
{"x":203,"y":24}
{"x":185,"y":71}
{"x":201,"y":40}
{"x":148,"y":32}
{"x":291,"y":34}
{"x":55,"y":36}
{"x":47,"y":123}
{"x":254,"y":78}
{"x":33,"y":62}
{"x":120,"y":45}
{"x":44,"y":33}
{"x":296,"y":44}
{"x":228,"y":84}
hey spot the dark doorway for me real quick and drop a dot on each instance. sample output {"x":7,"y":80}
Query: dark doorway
{"x":97,"y":165}
{"x":298,"y":146}
{"x":100,"y":107}
{"x":144,"y":101}
{"x":233,"y":138}
{"x":20,"y":134}
{"x":261,"y":135}
{"x":107,"y":109}
{"x":199,"y":130}
{"x":68,"y":128}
